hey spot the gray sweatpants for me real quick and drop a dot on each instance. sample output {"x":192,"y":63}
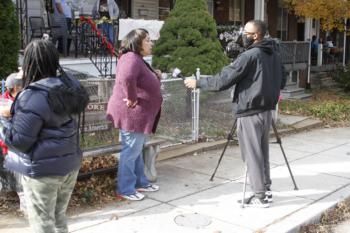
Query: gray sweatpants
{"x":47,"y":200}
{"x":253,"y":136}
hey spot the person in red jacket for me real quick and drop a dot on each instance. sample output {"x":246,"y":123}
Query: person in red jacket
{"x":10,"y":181}
{"x":14,"y":85}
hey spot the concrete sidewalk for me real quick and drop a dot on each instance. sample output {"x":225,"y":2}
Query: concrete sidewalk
{"x":188,"y":202}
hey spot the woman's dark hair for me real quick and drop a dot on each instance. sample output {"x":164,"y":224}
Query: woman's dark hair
{"x":133,"y":41}
{"x":41,"y":60}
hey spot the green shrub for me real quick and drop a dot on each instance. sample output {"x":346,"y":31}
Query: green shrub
{"x":342,"y":76}
{"x":9,"y":39}
{"x":331,"y":110}
{"x":188,"y":40}
{"x":330,"y":105}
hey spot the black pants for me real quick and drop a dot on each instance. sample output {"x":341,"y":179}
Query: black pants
{"x":60,"y":40}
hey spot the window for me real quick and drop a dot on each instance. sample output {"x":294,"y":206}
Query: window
{"x":236,"y":11}
{"x":282,"y":23}
{"x":164,"y":9}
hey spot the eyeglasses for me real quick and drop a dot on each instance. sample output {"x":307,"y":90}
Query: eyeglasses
{"x":249,"y":33}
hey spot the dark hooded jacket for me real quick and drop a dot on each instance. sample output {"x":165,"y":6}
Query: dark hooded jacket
{"x":258,"y":76}
{"x":43,"y":132}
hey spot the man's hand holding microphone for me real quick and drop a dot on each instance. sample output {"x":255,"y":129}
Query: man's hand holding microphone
{"x":189,"y":82}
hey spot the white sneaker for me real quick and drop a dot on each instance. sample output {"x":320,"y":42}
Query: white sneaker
{"x":149,"y":188}
{"x":132,"y":197}
{"x":268,"y":196}
{"x":254,"y":201}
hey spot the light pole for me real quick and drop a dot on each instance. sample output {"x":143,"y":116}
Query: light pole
{"x":344,"y":49}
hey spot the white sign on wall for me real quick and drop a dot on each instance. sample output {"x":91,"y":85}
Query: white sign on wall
{"x":152,"y":26}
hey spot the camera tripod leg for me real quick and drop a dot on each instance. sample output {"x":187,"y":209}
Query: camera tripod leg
{"x":229,"y":137}
{"x":244,"y":185}
{"x":279,"y":141}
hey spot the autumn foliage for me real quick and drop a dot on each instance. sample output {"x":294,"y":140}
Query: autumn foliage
{"x":332,"y":14}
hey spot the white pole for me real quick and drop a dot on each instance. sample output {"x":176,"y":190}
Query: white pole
{"x":193,"y":98}
{"x":262,"y":14}
{"x":308,"y":29}
{"x":259,"y":9}
{"x":319,"y":54}
{"x":198,"y":74}
{"x":344,"y":50}
{"x":308,"y":85}
{"x":195,"y":110}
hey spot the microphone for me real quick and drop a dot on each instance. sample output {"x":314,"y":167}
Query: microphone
{"x":177,"y":73}
{"x":45,"y":36}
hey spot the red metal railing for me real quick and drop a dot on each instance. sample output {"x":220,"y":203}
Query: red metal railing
{"x":99,"y":34}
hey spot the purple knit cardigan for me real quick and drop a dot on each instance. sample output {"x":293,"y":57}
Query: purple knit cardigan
{"x":135,"y":81}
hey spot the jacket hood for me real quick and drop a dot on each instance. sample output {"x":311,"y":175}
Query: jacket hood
{"x":65,"y":94}
{"x":268,"y":46}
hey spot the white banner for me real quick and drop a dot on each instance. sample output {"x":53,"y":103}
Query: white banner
{"x":152,"y":26}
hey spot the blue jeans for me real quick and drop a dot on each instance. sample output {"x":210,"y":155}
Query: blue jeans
{"x":131,"y":173}
{"x":108,"y":30}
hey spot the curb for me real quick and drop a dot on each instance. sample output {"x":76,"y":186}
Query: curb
{"x":309,"y":214}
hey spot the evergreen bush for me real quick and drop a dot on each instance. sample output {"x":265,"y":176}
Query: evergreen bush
{"x":188,"y":40}
{"x":342,"y":76}
{"x":9,"y":39}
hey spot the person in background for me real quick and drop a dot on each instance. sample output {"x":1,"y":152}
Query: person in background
{"x":63,"y":11}
{"x":13,"y":84}
{"x":258,"y":76}
{"x":329,"y":42}
{"x":11,"y":181}
{"x":107,"y":12}
{"x":314,"y":47}
{"x":134,"y":108}
{"x":43,"y":137}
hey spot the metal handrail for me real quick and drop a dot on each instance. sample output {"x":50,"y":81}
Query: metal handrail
{"x":94,"y":44}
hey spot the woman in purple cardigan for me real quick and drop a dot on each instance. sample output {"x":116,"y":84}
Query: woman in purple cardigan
{"x":134,"y":108}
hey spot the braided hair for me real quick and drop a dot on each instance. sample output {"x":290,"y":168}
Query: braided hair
{"x":41,"y":60}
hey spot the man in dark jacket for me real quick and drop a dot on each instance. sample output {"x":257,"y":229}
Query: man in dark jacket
{"x":257,"y":74}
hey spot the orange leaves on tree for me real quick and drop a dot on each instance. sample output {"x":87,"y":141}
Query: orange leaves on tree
{"x":332,"y":14}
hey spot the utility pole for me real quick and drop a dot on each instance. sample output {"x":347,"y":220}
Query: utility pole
{"x":344,"y":49}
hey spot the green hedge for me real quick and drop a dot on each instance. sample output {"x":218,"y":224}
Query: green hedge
{"x":9,"y":39}
{"x":188,"y":40}
{"x":342,"y":76}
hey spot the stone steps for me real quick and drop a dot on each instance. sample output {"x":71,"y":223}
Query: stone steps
{"x":294,"y":92}
{"x":321,"y":80}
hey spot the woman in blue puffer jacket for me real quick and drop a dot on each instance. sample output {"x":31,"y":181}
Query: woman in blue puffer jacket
{"x":43,"y":137}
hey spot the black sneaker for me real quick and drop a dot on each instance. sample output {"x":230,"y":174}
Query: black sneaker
{"x":256,"y":202}
{"x":268,"y":196}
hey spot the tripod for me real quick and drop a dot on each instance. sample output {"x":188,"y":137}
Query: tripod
{"x":230,"y":137}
